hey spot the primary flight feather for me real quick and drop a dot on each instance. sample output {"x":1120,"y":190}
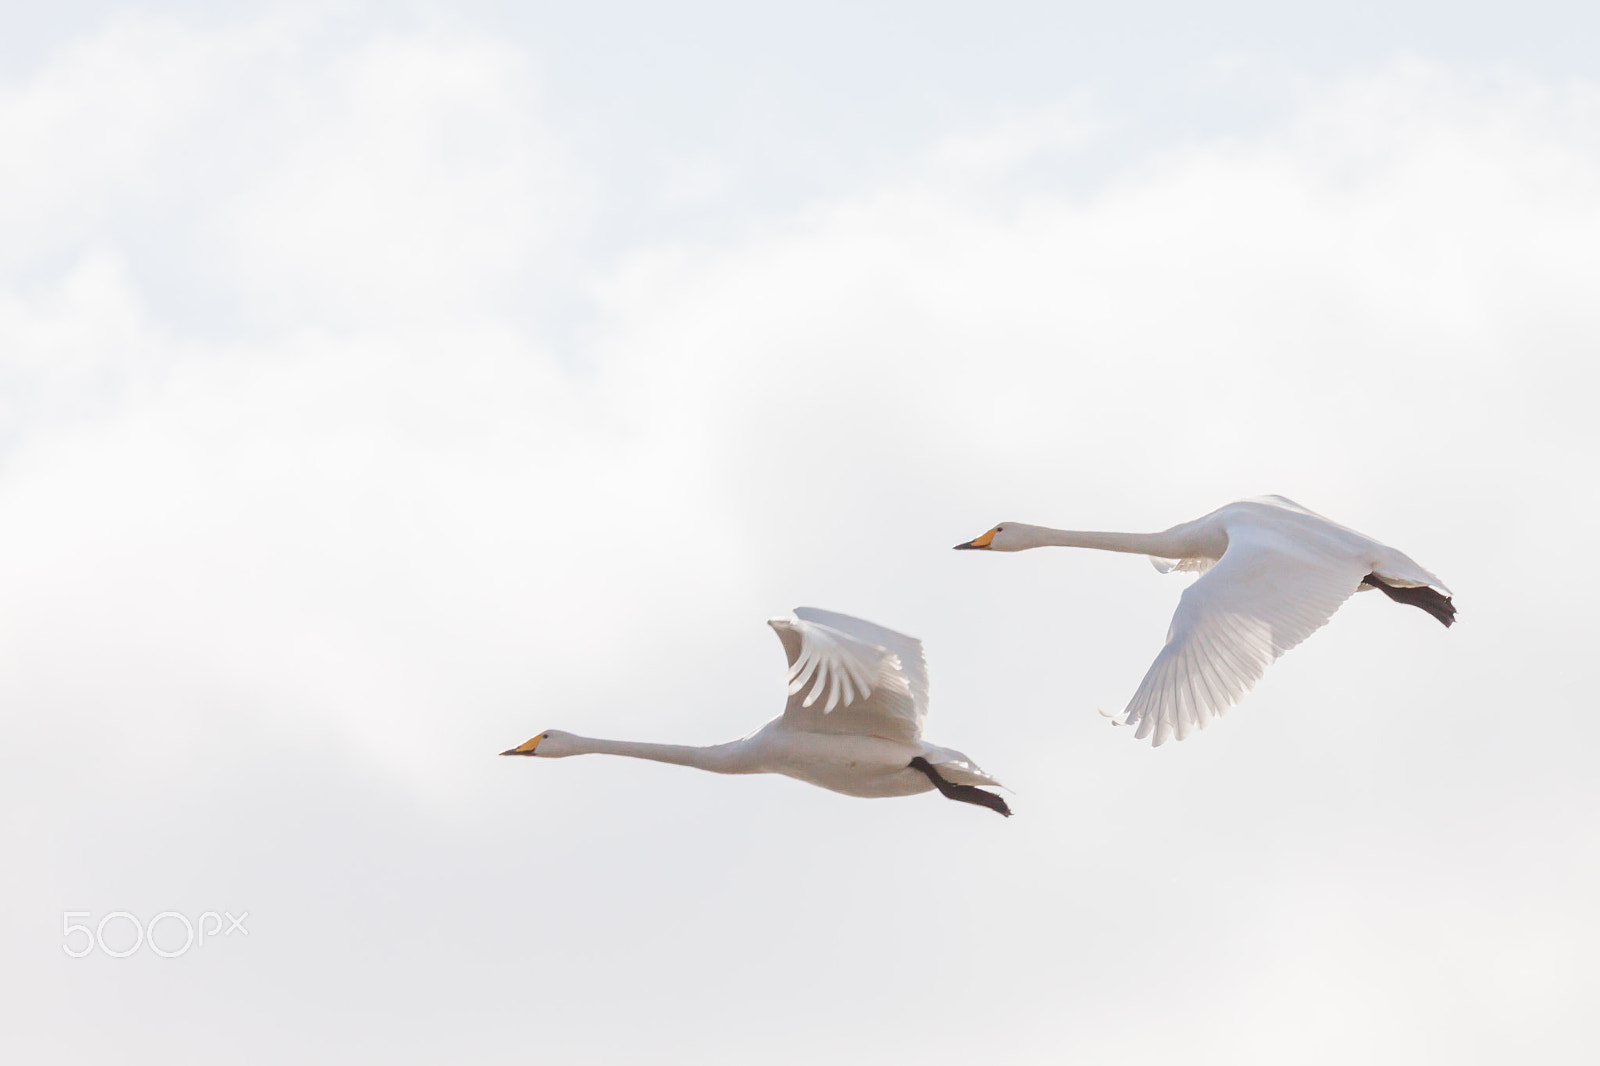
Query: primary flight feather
{"x":1273,"y":573}
{"x":858,"y":695}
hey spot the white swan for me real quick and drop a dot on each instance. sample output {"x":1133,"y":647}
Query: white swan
{"x":858,"y":695}
{"x":1274,"y":574}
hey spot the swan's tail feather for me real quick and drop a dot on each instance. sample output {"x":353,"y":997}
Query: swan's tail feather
{"x":1433,"y":601}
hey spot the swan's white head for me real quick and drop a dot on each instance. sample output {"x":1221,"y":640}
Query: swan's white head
{"x":1005,"y":537}
{"x":551,"y":744}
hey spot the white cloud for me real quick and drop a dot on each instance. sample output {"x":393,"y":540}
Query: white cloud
{"x":94,"y":127}
{"x":302,"y":579}
{"x":291,"y":179}
{"x":413,"y":175}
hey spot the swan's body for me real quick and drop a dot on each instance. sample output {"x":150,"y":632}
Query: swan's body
{"x":858,"y":695}
{"x":1273,"y":574}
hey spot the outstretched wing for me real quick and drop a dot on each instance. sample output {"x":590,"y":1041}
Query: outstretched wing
{"x":908,"y":650}
{"x":849,"y":676}
{"x":1265,"y":595}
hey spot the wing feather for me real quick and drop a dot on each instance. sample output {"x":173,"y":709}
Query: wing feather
{"x":1265,"y":595}
{"x":875,"y":680}
{"x":908,"y":650}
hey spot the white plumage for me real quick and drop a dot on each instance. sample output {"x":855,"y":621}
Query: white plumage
{"x":858,"y":695}
{"x":1272,"y":573}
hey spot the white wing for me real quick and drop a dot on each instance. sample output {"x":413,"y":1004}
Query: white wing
{"x":907,"y":649}
{"x":849,"y":676}
{"x":1168,"y":566}
{"x":1265,"y":595}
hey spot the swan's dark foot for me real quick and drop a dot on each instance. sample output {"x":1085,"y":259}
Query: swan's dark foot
{"x":961,"y":793}
{"x":1433,"y":601}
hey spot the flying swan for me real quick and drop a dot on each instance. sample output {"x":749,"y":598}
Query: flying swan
{"x":858,"y":695}
{"x":1274,"y":573}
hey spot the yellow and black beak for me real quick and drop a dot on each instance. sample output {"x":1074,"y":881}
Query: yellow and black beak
{"x":525,"y":749}
{"x":977,"y":543}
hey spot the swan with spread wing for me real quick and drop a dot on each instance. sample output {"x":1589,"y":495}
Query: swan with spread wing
{"x":1272,"y":573}
{"x":858,"y":695}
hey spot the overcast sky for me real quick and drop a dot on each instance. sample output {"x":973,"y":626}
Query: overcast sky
{"x":379,"y":388}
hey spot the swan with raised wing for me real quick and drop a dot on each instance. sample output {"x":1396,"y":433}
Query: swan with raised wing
{"x":1273,"y":573}
{"x":858,"y":695}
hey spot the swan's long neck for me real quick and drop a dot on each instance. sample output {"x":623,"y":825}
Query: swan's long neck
{"x":718,"y":758}
{"x":1178,"y":542}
